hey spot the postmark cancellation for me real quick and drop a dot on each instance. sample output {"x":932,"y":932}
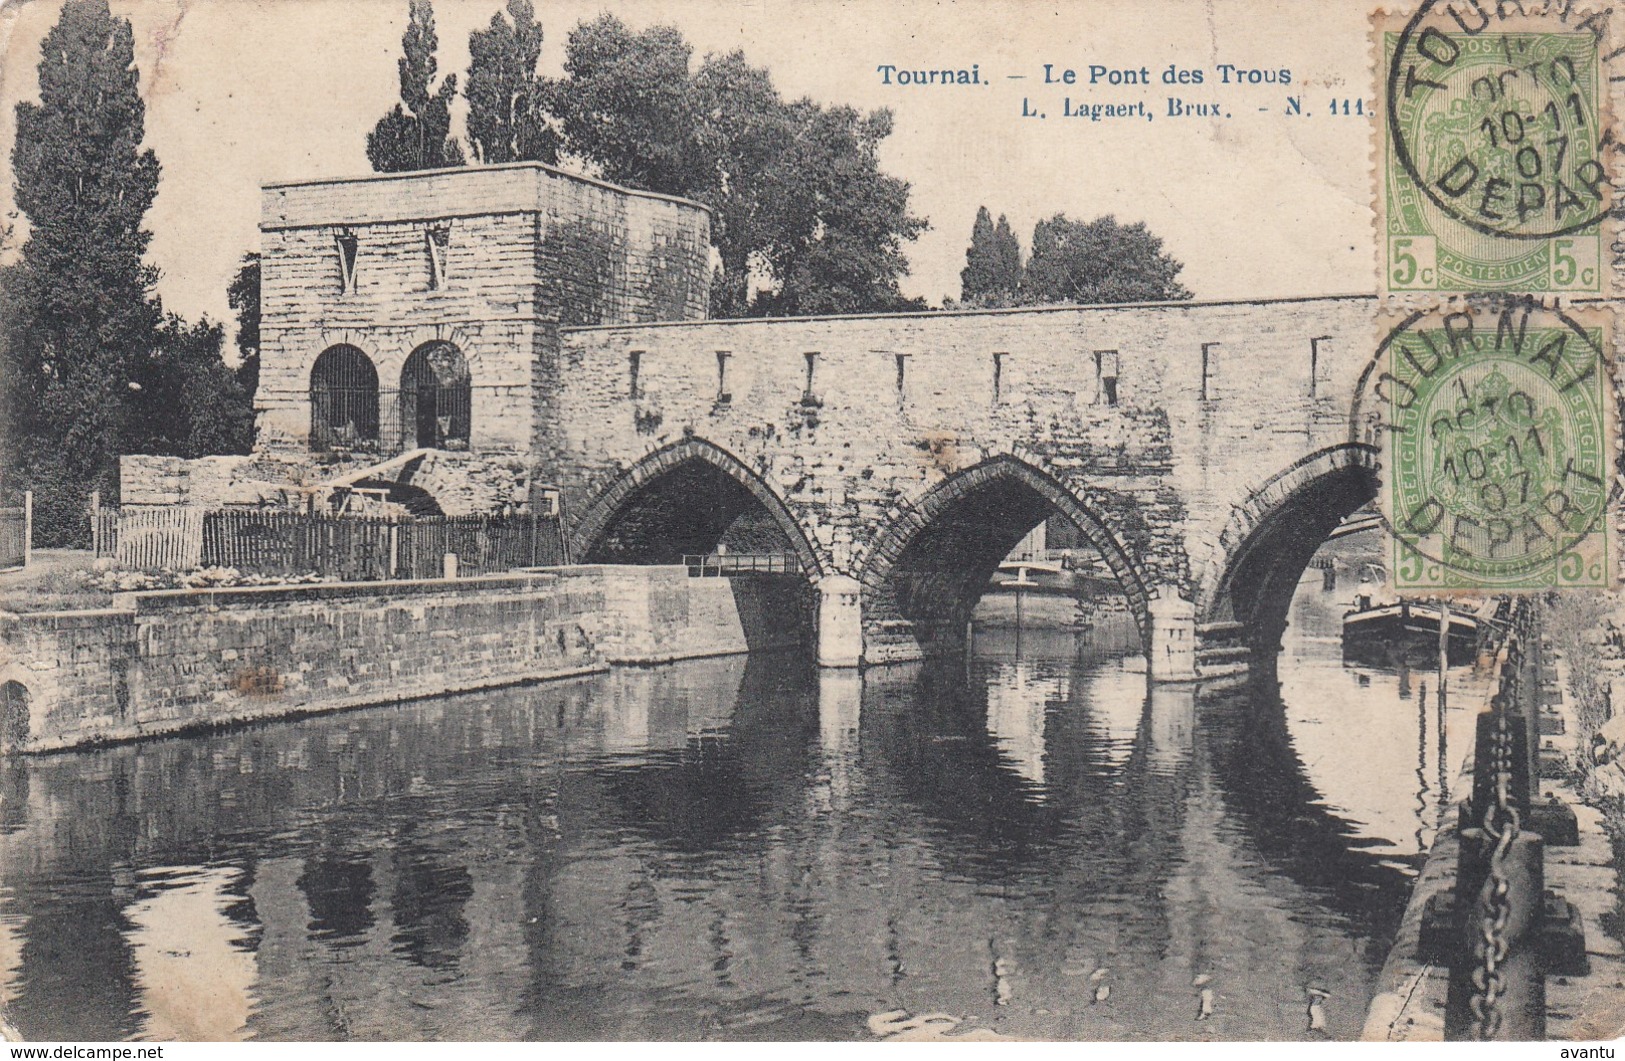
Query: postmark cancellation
{"x":1498,"y":158}
{"x":1497,"y":420}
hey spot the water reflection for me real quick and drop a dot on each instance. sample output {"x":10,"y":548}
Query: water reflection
{"x":1039,"y":843}
{"x":192,"y":948}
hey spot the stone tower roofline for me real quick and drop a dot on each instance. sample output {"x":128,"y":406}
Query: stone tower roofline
{"x":1069,"y":307}
{"x":463,"y":191}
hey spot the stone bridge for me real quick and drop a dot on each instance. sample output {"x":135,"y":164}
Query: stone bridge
{"x":1202,"y":448}
{"x":460,"y":337}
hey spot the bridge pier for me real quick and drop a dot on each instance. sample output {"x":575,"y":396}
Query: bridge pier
{"x":840,"y":621}
{"x":1172,"y":655}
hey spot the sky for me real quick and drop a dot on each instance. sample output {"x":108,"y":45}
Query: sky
{"x":1259,"y":204}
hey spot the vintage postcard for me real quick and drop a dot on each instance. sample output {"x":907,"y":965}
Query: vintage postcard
{"x":844,"y":520}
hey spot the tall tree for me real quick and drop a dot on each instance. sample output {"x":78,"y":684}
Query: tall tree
{"x":743,"y":136}
{"x":992,"y":273}
{"x":980,"y":274}
{"x":1098,"y":261}
{"x":628,"y":105}
{"x":804,"y":220}
{"x":244,"y":296}
{"x":507,"y":102}
{"x":416,"y":134}
{"x":839,"y":247}
{"x":1007,"y":258}
{"x":84,"y":318}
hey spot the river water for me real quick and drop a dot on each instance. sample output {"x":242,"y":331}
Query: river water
{"x":1033,"y":842}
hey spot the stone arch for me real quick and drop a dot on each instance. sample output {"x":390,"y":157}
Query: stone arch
{"x":436,"y":398}
{"x":16,"y":723}
{"x":1012,"y":496}
{"x":343,"y":399}
{"x":718,"y":469}
{"x":1265,"y":546}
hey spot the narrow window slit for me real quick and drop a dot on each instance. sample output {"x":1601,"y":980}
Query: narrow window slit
{"x":348,"y":245}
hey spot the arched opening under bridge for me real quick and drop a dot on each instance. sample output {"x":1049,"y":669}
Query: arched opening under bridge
{"x":1264,"y":551}
{"x":927,"y":573}
{"x":693,"y":503}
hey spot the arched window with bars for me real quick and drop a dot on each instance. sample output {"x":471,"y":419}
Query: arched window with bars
{"x":436,"y":398}
{"x":343,"y":401}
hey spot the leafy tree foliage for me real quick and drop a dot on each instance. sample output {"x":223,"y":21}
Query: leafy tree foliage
{"x":83,"y":319}
{"x":627,"y":104}
{"x":416,"y":134}
{"x":992,"y":273}
{"x":804,"y":219}
{"x":189,"y":401}
{"x":742,"y":136}
{"x":507,"y":101}
{"x":85,"y":346}
{"x":244,"y":296}
{"x":838,"y":244}
{"x":1098,"y":261}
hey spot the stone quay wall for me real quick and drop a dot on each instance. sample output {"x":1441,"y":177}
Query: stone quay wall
{"x":179,"y":660}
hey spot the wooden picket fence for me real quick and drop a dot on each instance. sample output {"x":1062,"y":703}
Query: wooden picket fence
{"x":16,"y":528}
{"x":165,"y":537}
{"x":289,"y":543}
{"x":104,"y":531}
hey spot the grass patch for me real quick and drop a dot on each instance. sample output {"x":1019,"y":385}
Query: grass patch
{"x":51,"y":591}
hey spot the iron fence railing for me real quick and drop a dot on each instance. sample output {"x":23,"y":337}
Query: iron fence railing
{"x":384,"y":422}
{"x":352,"y":548}
{"x":716,"y":565}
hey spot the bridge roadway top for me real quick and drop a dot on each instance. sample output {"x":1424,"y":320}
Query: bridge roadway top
{"x":987,"y":311}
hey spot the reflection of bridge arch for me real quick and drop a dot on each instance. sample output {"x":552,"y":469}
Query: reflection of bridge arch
{"x":928,"y":569}
{"x":1267,"y":544}
{"x":1266,"y":789}
{"x":683,"y":499}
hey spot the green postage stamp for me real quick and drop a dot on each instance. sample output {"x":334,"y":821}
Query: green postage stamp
{"x":1496,"y":172}
{"x":1498,"y":447}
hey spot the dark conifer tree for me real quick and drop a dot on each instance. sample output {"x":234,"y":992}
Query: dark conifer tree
{"x":507,"y":102}
{"x":83,"y":319}
{"x":416,"y":134}
{"x":978,"y":277}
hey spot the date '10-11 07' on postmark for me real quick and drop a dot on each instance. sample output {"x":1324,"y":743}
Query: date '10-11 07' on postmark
{"x":1496,"y":148}
{"x":1497,"y":430}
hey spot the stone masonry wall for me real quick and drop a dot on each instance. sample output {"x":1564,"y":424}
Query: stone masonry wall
{"x":462,"y":483}
{"x":170,"y":661}
{"x":898,"y":403}
{"x":528,"y":246}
